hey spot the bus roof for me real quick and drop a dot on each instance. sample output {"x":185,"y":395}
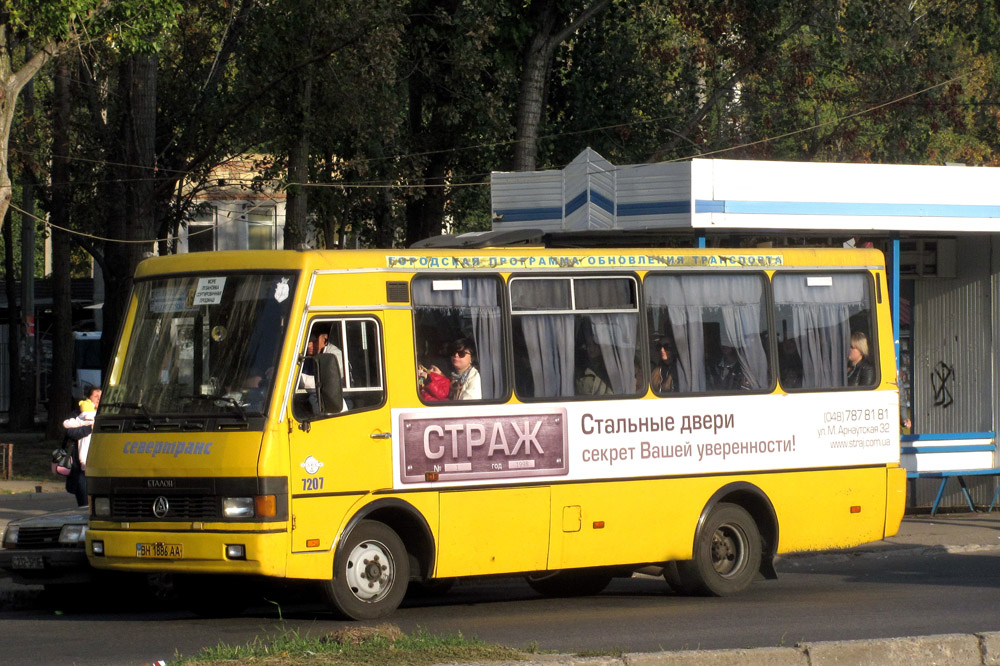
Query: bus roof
{"x":507,"y":259}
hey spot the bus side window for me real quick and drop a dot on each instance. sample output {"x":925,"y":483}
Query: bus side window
{"x":708,"y":333}
{"x":355,"y":343}
{"x":463,"y":311}
{"x":826,"y":334}
{"x":574,"y":336}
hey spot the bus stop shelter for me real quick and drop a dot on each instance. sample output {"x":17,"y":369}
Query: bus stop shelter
{"x":939,"y":227}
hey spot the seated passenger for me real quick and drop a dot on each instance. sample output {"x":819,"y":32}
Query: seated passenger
{"x":590,"y":380}
{"x":307,"y":380}
{"x":433,"y":386}
{"x":465,"y":382}
{"x":727,"y":373}
{"x":860,"y":371}
{"x":664,"y":375}
{"x":790,"y":364}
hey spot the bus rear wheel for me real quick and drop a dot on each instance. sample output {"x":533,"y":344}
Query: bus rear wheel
{"x":727,"y":554}
{"x":569,"y":582}
{"x":370,"y":573}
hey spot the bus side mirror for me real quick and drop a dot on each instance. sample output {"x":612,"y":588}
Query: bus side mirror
{"x":328,"y":384}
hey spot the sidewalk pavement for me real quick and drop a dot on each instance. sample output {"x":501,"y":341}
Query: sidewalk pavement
{"x":951,"y":532}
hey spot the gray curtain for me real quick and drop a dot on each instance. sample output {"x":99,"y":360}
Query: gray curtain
{"x":820,"y":315}
{"x":737,"y":300}
{"x":478,"y":300}
{"x":616,"y":335}
{"x":551,"y":353}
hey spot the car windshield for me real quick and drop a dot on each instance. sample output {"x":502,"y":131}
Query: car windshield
{"x":202,"y":344}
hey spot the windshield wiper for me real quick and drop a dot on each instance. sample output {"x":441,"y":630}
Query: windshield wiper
{"x":132,"y":405}
{"x":229,"y":401}
{"x":155,"y":422}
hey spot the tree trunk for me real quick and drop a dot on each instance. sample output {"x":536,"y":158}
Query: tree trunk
{"x":11,"y":83}
{"x":138,"y":219}
{"x":425,"y":216}
{"x":297,"y":204}
{"x":534,"y":79}
{"x":17,"y":389}
{"x":23,"y":369}
{"x":537,"y":62}
{"x":60,"y":392}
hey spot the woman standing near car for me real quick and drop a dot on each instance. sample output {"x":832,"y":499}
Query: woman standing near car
{"x":78,"y":431}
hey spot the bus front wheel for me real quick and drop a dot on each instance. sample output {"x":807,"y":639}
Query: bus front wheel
{"x":370,"y":573}
{"x":727,"y":554}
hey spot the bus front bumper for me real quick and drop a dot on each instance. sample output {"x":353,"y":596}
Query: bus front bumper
{"x":222,"y":552}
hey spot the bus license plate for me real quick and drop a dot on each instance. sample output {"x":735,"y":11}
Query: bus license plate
{"x":173,"y":551}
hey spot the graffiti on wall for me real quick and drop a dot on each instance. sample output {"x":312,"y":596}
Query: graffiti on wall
{"x":941,"y":378}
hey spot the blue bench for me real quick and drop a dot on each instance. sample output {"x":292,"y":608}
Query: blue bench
{"x":952,"y":455}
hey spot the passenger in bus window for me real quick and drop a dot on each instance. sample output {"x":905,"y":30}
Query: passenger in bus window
{"x":465,"y":382}
{"x":664,"y":374}
{"x":433,"y":385}
{"x":727,"y":374}
{"x":860,"y":371}
{"x":790,"y":364}
{"x":318,"y":344}
{"x":591,"y":376}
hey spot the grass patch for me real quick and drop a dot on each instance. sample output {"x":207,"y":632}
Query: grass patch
{"x":354,"y":646}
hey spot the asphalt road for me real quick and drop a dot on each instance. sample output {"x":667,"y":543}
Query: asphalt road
{"x":817,"y":598}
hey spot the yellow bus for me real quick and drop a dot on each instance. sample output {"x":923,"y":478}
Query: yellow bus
{"x":369,"y":419}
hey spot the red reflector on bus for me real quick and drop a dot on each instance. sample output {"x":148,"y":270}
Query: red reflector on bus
{"x":855,"y":509}
{"x":312,"y":543}
{"x":430,"y":476}
{"x":598,"y":524}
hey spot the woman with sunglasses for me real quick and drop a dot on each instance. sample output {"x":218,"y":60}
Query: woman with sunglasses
{"x":465,"y":383}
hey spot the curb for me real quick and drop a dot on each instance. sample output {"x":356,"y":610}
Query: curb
{"x":944,"y":649}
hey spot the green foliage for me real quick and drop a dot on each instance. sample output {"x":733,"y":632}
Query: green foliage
{"x":135,"y":25}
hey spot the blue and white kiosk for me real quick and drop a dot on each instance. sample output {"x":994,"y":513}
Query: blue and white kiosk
{"x":939,"y":227}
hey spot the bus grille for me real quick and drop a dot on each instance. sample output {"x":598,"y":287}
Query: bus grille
{"x":182,"y":507}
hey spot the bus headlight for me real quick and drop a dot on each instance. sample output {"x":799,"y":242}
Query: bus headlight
{"x":238,"y":507}
{"x":102,"y":507}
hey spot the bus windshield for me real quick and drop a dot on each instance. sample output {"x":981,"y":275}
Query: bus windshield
{"x":203,"y":345}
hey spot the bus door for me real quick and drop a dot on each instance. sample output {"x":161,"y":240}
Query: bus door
{"x":338,"y":445}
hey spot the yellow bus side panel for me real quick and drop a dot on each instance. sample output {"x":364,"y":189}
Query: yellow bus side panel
{"x":814,"y":509}
{"x":626,"y":522}
{"x":318,"y":519}
{"x":493,"y":531}
{"x":360,"y":289}
{"x":634,"y":522}
{"x":895,"y":499}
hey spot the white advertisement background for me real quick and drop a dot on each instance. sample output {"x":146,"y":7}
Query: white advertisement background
{"x":612,"y":439}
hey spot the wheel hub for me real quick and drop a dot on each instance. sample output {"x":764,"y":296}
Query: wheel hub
{"x":729,"y":548}
{"x":370,"y":571}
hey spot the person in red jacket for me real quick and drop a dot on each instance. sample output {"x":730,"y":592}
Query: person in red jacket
{"x":433,"y":385}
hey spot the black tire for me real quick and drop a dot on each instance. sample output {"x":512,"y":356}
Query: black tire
{"x":727,"y":554}
{"x":569,"y":582}
{"x":370,"y":573}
